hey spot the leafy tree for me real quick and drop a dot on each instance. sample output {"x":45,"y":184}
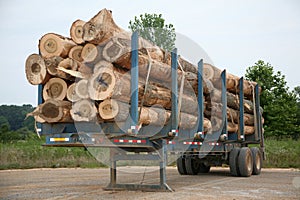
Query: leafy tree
{"x":152,"y":27}
{"x":280,"y":105}
{"x":15,"y":115}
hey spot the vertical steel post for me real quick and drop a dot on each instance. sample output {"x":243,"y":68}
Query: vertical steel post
{"x":200,"y":97}
{"x":224,"y":102}
{"x":174,"y":109}
{"x":241,"y":117}
{"x":134,"y":82}
{"x":258,"y":131}
{"x":40,"y":94}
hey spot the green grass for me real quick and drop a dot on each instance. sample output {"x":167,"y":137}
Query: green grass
{"x":31,"y":154}
{"x":282,"y":153}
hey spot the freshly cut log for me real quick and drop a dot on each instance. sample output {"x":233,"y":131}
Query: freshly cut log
{"x":53,"y":44}
{"x":84,"y":110}
{"x":118,"y":111}
{"x":215,"y":109}
{"x":91,"y":53}
{"x":110,"y":82}
{"x":81,"y":89}
{"x":75,"y":53}
{"x":54,"y":63}
{"x":100,"y":28}
{"x":233,"y":128}
{"x":76,"y":31}
{"x":53,"y":111}
{"x":212,"y":73}
{"x":71,"y":93}
{"x":55,"y":88}
{"x":35,"y":69}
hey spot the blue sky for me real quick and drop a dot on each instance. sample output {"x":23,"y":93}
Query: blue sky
{"x":235,"y":34}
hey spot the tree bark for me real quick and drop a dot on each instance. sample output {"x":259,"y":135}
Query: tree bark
{"x":109,"y":82}
{"x":118,"y":111}
{"x":84,"y":110}
{"x":76,"y":31}
{"x":53,"y":44}
{"x":55,"y":88}
{"x":35,"y":69}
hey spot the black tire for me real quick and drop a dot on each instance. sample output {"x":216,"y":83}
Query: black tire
{"x":191,"y":165}
{"x":257,"y":160}
{"x":245,"y":162}
{"x":203,"y":168}
{"x":233,"y":161}
{"x":181,"y":166}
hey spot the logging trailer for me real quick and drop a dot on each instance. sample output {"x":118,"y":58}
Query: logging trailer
{"x":196,"y":151}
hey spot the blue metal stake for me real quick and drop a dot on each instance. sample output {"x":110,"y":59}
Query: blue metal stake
{"x":241,"y":117}
{"x":40,"y":94}
{"x":200,"y":97}
{"x":258,"y":119}
{"x":224,"y":102}
{"x":134,"y":82}
{"x":174,"y":113}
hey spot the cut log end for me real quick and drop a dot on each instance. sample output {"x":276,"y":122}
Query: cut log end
{"x":55,"y":88}
{"x":89,"y":52}
{"x":75,"y":53}
{"x":76,"y":31}
{"x":81,"y":89}
{"x":71,"y":93}
{"x":108,"y":109}
{"x":84,"y":110}
{"x":55,"y":45}
{"x":55,"y":111}
{"x":35,"y":69}
{"x":102,"y":84}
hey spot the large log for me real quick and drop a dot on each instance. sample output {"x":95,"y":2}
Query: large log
{"x":71,"y":93}
{"x":100,"y":28}
{"x":55,"y":88}
{"x":76,"y":31}
{"x":36,"y":70}
{"x":53,"y":44}
{"x":75,"y":53}
{"x":118,"y":111}
{"x":53,"y":111}
{"x":109,"y":82}
{"x":54,"y":63}
{"x":84,"y":110}
{"x":81,"y":89}
{"x":213,"y":73}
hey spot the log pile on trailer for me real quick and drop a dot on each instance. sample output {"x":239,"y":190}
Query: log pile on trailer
{"x":87,"y":78}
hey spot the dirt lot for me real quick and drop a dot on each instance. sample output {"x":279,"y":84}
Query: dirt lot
{"x":89,"y":184}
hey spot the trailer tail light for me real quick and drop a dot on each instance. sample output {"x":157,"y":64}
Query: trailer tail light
{"x":130,"y":141}
{"x":59,"y":139}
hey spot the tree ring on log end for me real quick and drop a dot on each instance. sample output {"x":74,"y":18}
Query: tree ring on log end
{"x":51,"y":111}
{"x":35,"y":69}
{"x":81,"y":89}
{"x":89,"y":52}
{"x":50,"y":45}
{"x":112,"y":50}
{"x":55,"y":88}
{"x":108,"y":109}
{"x":84,"y":110}
{"x":101,"y":84}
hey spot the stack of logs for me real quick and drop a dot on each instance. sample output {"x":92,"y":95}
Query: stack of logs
{"x":87,"y":78}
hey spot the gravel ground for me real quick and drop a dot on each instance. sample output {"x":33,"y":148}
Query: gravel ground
{"x":89,"y":184}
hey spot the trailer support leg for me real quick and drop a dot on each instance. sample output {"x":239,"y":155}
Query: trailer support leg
{"x":161,"y":157}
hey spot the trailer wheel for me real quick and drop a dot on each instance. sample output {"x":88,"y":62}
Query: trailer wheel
{"x":233,"y":161}
{"x":257,"y":160}
{"x":191,"y":165}
{"x":203,"y":168}
{"x":181,"y":166}
{"x":245,"y":162}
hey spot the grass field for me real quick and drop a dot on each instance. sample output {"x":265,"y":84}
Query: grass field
{"x":31,"y":154}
